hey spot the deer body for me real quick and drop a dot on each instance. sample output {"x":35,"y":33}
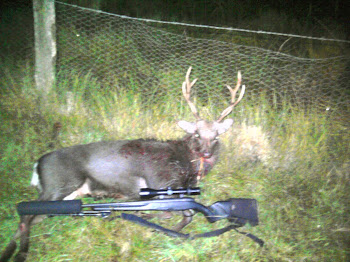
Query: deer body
{"x":121,"y":168}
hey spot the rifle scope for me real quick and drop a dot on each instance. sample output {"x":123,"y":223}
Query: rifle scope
{"x":149,"y":192}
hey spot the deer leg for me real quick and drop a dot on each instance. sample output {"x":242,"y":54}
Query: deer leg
{"x":187,"y":218}
{"x":100,"y":195}
{"x":162,"y":215}
{"x":9,"y":250}
{"x":24,"y":231}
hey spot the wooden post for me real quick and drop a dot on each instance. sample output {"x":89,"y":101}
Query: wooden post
{"x":45,"y":46}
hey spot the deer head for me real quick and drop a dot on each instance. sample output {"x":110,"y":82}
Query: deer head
{"x":205,"y":133}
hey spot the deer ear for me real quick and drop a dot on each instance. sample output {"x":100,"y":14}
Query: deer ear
{"x":189,"y":127}
{"x":224,"y":126}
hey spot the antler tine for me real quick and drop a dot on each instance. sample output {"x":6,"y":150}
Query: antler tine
{"x":233,"y":92}
{"x":186,"y":90}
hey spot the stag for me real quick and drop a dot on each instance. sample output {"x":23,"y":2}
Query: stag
{"x":121,"y":168}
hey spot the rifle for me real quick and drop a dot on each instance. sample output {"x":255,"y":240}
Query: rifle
{"x":238,"y":211}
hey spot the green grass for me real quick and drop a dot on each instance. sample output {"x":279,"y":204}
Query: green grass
{"x":294,"y":161}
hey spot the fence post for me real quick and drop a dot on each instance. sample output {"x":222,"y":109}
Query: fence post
{"x":45,"y":46}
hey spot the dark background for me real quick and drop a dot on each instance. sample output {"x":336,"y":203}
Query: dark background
{"x":315,"y":18}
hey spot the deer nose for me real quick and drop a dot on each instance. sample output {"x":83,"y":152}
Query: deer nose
{"x":206,"y":154}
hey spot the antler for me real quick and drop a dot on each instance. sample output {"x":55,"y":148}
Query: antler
{"x":233,"y":92}
{"x":186,"y":89}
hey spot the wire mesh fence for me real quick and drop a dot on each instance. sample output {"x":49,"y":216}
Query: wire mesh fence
{"x":127,"y":53}
{"x":124,"y":53}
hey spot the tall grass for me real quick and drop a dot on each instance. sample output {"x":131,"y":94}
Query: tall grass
{"x":294,"y":161}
